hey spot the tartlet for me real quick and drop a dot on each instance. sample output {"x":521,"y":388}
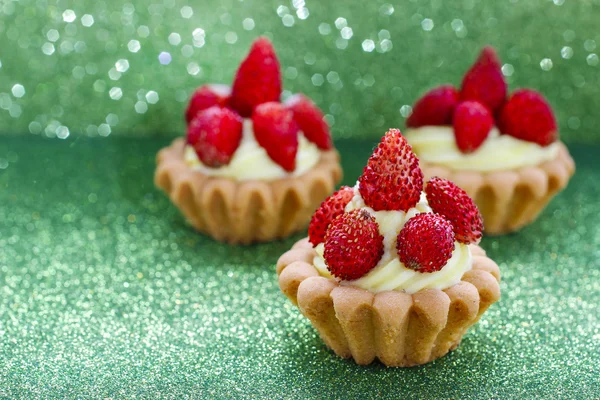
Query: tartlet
{"x":251,"y":168}
{"x":504,"y":151}
{"x":394,"y":278}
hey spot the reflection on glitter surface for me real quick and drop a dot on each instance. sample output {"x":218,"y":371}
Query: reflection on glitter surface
{"x":107,"y":293}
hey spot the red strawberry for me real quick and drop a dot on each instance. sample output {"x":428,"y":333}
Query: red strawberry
{"x":277,"y":132}
{"x":450,"y":201}
{"x":330,"y":208}
{"x":528,"y":116}
{"x":310,"y":120}
{"x":258,"y":80}
{"x":353,"y":245}
{"x":472,"y":125}
{"x":484,"y":82}
{"x":392,"y":179}
{"x":207,"y":96}
{"x":215,"y":134}
{"x":434,"y":108}
{"x":425,"y":243}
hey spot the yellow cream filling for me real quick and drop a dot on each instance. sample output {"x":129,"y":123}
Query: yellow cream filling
{"x":436,"y":145}
{"x":251,"y":162}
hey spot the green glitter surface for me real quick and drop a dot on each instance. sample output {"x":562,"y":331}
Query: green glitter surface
{"x":105,"y":292}
{"x":83,"y":67}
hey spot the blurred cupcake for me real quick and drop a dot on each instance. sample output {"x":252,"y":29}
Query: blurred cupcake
{"x":390,"y":272}
{"x":504,"y":152}
{"x":251,"y":168}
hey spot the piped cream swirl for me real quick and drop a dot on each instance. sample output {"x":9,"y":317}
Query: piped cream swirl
{"x":436,"y":145}
{"x":251,"y":162}
{"x":390,"y":273}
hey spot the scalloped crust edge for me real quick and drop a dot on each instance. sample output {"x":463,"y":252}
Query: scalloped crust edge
{"x":509,"y":200}
{"x":248,"y":211}
{"x":399,"y":329}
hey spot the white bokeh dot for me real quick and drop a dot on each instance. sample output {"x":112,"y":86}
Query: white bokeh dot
{"x":53,"y":35}
{"x":87,"y":20}
{"x":546,"y":64}
{"x":193,"y":68}
{"x":122,"y":65}
{"x":368,"y":45}
{"x":405,"y":110}
{"x":427,"y":24}
{"x":115,"y":93}
{"x":152,"y":97}
{"x":48,"y":48}
{"x":104,"y":130}
{"x":508,"y":69}
{"x":174,"y":38}
{"x":141,"y":107}
{"x":187,"y":12}
{"x":133,"y":46}
{"x":248,"y":24}
{"x":18,"y":90}
{"x":164,"y":58}
{"x":69,"y":16}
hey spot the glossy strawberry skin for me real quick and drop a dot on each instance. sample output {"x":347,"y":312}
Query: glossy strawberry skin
{"x":454,"y":204}
{"x":276,"y":131}
{"x":353,"y":245}
{"x":528,"y":116}
{"x":215,"y":134}
{"x":258,"y":79}
{"x":205,"y":97}
{"x":435,"y":108}
{"x":332,"y":207}
{"x":310,"y":120}
{"x":472,"y":125}
{"x":425,"y":243}
{"x":392,"y":179}
{"x":484,"y":81}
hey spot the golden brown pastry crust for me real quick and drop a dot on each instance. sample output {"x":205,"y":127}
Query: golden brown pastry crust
{"x":399,"y":329}
{"x":245,"y":211}
{"x":509,"y":200}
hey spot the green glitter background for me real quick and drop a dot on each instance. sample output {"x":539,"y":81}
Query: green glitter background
{"x":105,"y":292}
{"x":84,"y":67}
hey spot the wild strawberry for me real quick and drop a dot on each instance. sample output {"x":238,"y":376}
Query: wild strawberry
{"x":310,"y":120}
{"x":205,"y":97}
{"x":425,"y":243}
{"x":528,"y":116}
{"x":330,"y":208}
{"x":472,"y":125}
{"x":215,"y":134}
{"x":277,"y":132}
{"x":353,"y":245}
{"x":434,"y":108}
{"x":392,"y":179}
{"x":454,"y":204}
{"x":484,"y":82}
{"x":258,"y":80}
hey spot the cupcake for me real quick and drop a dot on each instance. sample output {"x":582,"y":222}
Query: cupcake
{"x":504,"y":151}
{"x":388,"y":271}
{"x":251,"y":168}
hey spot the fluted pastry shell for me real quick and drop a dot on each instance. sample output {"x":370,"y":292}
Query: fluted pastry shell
{"x":245,"y":211}
{"x":399,"y":329}
{"x":509,"y":200}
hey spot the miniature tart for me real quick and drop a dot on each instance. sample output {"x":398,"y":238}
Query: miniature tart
{"x":251,"y":168}
{"x":400,"y":280}
{"x":503,"y":151}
